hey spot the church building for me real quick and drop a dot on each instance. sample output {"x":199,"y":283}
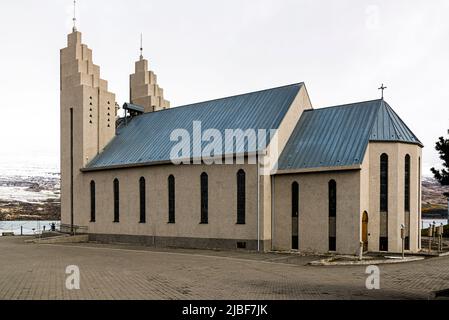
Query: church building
{"x":324,"y":180}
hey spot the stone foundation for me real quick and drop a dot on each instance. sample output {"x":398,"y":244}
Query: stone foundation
{"x":178,"y":242}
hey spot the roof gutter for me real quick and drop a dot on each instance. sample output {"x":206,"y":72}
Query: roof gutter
{"x":318,"y":169}
{"x":186,"y":161}
{"x":418,"y":143}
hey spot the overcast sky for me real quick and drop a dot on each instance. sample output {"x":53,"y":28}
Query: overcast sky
{"x":206,"y":49}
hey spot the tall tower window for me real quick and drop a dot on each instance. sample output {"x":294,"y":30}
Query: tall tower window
{"x":204,"y":198}
{"x":332,"y":215}
{"x":384,"y":183}
{"x":171,"y":200}
{"x":407,"y":202}
{"x":142,"y":192}
{"x":419,"y":203}
{"x":407,"y":183}
{"x":241,"y":197}
{"x":116,"y":201}
{"x":92,"y":202}
{"x":383,"y":237}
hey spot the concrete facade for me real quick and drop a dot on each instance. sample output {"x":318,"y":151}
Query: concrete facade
{"x":358,"y":191}
{"x":144,"y":90}
{"x":396,"y":212}
{"x":222,"y":203}
{"x":88,"y":117}
{"x":314,"y":211}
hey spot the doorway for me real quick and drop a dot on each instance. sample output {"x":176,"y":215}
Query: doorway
{"x":365,"y":231}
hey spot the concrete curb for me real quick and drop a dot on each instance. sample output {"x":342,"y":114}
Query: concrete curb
{"x":329,"y":262}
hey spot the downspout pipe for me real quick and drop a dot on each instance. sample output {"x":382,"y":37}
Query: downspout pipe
{"x":258,"y":203}
{"x":273,"y":206}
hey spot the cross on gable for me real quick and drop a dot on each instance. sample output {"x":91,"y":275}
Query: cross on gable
{"x":382,"y":87}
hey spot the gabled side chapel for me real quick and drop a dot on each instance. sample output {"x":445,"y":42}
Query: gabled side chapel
{"x":340,"y":176}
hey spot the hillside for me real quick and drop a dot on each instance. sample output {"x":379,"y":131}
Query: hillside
{"x":434,"y":203}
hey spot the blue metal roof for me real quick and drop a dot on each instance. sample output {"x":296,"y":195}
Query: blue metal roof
{"x":146,"y":139}
{"x":389,"y":127}
{"x":339,"y":136}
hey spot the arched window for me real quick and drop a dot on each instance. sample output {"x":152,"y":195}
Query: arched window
{"x":384,"y":183}
{"x":204,"y":198}
{"x":171,"y":200}
{"x":92,"y":202}
{"x":407,"y":184}
{"x":332,"y":215}
{"x":143,"y":201}
{"x":116,"y":201}
{"x":241,"y":197}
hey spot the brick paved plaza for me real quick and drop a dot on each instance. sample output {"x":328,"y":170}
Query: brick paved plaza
{"x":29,"y":271}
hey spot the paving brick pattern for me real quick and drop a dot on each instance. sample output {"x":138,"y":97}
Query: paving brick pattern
{"x":30,"y":271}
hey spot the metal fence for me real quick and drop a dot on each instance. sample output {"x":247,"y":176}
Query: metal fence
{"x":28,"y":227}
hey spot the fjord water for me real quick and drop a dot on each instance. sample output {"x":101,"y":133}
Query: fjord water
{"x":24,"y":181}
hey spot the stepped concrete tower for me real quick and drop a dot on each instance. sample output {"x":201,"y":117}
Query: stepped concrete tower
{"x":88,"y":117}
{"x":144,"y":90}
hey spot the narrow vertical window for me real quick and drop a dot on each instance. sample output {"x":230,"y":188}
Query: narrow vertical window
{"x":116,"y":201}
{"x":295,"y":199}
{"x":332,"y":215}
{"x":407,"y":183}
{"x":72,"y":216}
{"x":384,"y":183}
{"x":383,"y":238}
{"x":143,"y":201}
{"x":92,"y":202}
{"x":295,"y":216}
{"x":204,"y":198}
{"x":407,"y":202}
{"x":171,"y":200}
{"x":241,"y":197}
{"x":419,"y":203}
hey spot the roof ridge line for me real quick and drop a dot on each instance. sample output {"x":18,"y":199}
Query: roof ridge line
{"x":194,"y":104}
{"x":374,"y":120}
{"x":395,"y":128}
{"x":342,"y":105}
{"x":390,"y":110}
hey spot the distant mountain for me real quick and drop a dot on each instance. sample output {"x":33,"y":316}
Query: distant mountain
{"x":434,"y":203}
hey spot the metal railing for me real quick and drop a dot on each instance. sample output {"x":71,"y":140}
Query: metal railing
{"x":27,"y":228}
{"x":74,"y":230}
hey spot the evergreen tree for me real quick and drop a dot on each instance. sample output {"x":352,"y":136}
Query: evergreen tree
{"x":442,"y":146}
